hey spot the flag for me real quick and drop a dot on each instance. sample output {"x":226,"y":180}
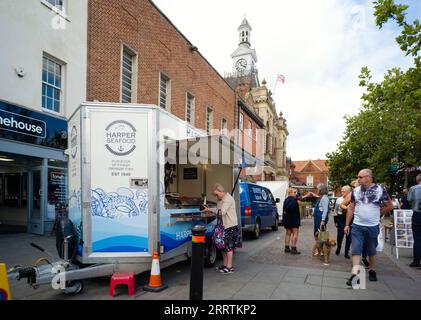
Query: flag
{"x":280,"y":78}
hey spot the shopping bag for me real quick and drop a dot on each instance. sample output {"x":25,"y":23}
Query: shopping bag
{"x":380,"y":240}
{"x":219,"y":233}
{"x":323,"y":234}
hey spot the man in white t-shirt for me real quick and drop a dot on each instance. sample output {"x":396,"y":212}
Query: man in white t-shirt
{"x":368,"y":202}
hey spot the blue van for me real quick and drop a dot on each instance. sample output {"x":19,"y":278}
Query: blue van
{"x":258,"y":209}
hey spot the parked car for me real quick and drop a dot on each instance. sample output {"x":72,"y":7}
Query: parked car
{"x":258,"y":209}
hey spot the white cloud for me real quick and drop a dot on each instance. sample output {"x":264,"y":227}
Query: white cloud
{"x":320,"y":47}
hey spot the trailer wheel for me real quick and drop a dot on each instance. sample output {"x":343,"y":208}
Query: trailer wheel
{"x":210,"y":254}
{"x":74,"y":287}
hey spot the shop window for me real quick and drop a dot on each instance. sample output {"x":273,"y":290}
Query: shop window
{"x":57,"y":190}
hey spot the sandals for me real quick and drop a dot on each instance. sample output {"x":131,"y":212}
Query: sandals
{"x":227,"y":270}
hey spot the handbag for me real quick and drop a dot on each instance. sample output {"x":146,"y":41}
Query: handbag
{"x":323,"y":234}
{"x":219,"y":232}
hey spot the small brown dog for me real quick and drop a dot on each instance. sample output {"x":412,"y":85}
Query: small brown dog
{"x":322,"y":249}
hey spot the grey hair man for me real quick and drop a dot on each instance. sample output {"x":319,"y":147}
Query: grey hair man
{"x":414,"y":198}
{"x":368,"y":202}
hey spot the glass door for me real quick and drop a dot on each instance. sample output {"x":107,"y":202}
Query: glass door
{"x":35,"y":201}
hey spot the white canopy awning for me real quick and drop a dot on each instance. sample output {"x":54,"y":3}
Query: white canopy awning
{"x":216,"y":149}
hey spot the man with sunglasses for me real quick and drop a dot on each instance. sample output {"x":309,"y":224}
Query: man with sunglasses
{"x":368,"y":202}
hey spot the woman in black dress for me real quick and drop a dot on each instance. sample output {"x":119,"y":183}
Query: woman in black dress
{"x":291,"y":220}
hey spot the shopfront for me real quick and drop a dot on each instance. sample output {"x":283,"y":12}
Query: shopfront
{"x":33,"y":169}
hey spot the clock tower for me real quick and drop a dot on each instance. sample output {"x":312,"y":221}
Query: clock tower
{"x":244,"y":58}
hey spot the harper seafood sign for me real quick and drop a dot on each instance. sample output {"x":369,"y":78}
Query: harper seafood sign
{"x":120,"y":137}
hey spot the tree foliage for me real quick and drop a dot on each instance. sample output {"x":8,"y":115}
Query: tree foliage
{"x":388,"y":125}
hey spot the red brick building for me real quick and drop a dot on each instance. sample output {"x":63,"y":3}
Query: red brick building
{"x":306,"y":175}
{"x":136,"y":55}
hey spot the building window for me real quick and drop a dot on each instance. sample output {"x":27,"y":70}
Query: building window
{"x":224,"y":126}
{"x":190,"y":108}
{"x":310,"y":181}
{"x":56,"y":3}
{"x":241,"y":122}
{"x":128,"y":81}
{"x":267,"y":143}
{"x":164,"y":91}
{"x":52,"y":84}
{"x":249,"y":129}
{"x":273,"y":145}
{"x":209,"y":120}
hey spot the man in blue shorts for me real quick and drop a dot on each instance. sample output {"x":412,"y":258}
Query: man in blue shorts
{"x":368,"y":202}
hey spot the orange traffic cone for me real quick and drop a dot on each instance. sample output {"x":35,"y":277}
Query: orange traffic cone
{"x":155,"y":283}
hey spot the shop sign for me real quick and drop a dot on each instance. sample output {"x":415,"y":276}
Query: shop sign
{"x":24,"y":125}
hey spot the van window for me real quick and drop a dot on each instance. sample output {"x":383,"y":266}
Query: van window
{"x":267,"y":196}
{"x":257,"y":194}
{"x":272,"y":199}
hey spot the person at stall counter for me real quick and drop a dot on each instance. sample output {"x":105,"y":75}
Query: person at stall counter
{"x":226,"y":207}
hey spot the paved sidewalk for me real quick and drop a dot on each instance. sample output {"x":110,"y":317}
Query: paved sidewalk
{"x":263,"y":271}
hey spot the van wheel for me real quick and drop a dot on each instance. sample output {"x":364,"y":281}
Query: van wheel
{"x":256,"y":231}
{"x":210,"y":255}
{"x":275,"y":226}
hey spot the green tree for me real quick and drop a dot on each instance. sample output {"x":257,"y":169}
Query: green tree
{"x":388,"y":125}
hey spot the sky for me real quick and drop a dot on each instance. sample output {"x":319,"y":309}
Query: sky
{"x":318,"y":45}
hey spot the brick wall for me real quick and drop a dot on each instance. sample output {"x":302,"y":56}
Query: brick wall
{"x":247,"y":139}
{"x":318,"y":177}
{"x":159,"y":48}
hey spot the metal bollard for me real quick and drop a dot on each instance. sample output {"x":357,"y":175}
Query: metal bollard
{"x":196,"y":270}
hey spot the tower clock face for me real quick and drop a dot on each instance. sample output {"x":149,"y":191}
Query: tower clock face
{"x":241,"y":64}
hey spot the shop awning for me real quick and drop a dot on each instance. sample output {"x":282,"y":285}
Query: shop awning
{"x":216,"y":149}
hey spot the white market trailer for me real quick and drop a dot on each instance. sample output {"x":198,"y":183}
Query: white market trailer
{"x":279,"y":190}
{"x":136,"y":184}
